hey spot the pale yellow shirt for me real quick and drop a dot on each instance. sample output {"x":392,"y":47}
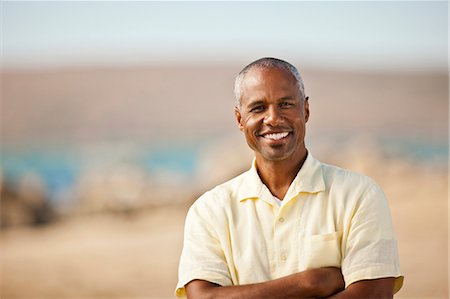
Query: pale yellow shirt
{"x":238,"y":234}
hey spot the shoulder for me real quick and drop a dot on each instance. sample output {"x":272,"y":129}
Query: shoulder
{"x":335,"y":175}
{"x":350,"y":186}
{"x":214,"y":207}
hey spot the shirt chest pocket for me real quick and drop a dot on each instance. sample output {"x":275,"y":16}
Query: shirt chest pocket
{"x":321,"y":251}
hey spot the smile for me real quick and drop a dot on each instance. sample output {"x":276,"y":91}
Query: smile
{"x":276,"y":136}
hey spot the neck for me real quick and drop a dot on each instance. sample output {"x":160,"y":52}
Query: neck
{"x":278,"y":175}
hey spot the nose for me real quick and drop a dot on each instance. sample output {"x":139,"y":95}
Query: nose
{"x":273,"y":117}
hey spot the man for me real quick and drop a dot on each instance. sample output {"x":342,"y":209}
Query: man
{"x":291,"y":226}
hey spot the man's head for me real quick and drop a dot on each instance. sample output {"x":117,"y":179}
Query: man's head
{"x":272,"y":110}
{"x":266,"y":63}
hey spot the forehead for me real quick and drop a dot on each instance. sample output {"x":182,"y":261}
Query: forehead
{"x":265,"y":83}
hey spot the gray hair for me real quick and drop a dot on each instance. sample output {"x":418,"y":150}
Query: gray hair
{"x":267,"y":63}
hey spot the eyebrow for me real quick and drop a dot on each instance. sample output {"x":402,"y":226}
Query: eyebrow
{"x":262,"y":102}
{"x":286,"y":98}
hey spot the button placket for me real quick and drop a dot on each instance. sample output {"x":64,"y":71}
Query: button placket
{"x":280,"y":253}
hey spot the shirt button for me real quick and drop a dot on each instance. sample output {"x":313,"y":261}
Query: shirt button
{"x":281,"y":219}
{"x":283,"y":258}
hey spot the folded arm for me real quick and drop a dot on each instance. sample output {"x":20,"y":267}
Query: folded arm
{"x":315,"y":283}
{"x":312,"y":283}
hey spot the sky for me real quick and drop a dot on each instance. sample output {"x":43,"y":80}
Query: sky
{"x":406,"y":35}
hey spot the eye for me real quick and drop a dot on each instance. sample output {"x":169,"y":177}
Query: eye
{"x":286,"y":105}
{"x":256,"y":109}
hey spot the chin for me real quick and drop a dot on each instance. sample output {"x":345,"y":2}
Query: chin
{"x":272,"y":154}
{"x":275,"y":157}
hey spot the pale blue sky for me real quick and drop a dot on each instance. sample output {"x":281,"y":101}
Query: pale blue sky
{"x":373,"y":35}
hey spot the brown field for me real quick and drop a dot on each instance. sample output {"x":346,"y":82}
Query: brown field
{"x":136,"y":255}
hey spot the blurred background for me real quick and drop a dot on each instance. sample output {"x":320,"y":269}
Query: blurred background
{"x":116,"y":116}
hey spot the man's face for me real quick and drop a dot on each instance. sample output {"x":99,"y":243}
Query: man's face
{"x":272,"y":115}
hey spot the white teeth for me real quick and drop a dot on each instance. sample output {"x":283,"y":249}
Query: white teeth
{"x":276,"y":136}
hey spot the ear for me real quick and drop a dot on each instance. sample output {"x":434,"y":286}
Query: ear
{"x":306,"y":109}
{"x":237,"y":114}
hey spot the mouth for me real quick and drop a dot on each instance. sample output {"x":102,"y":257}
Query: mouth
{"x":275,"y":136}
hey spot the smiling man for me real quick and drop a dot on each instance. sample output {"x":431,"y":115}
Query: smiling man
{"x":291,"y":226}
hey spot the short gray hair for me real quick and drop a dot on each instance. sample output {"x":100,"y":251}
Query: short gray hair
{"x":267,"y":63}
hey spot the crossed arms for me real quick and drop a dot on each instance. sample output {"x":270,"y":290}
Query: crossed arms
{"x":314,"y":283}
{"x":368,"y":250}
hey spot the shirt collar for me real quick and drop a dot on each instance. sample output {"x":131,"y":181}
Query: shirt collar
{"x":309,"y":179}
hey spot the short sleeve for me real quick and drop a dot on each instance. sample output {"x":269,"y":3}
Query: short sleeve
{"x":370,"y":250}
{"x":202,"y":256}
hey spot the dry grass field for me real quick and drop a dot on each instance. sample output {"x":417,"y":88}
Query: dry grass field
{"x":136,"y":255}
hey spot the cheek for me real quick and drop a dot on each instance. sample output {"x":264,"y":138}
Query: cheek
{"x":251,"y":124}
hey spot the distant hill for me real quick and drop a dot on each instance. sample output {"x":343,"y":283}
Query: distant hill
{"x":157,"y":103}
